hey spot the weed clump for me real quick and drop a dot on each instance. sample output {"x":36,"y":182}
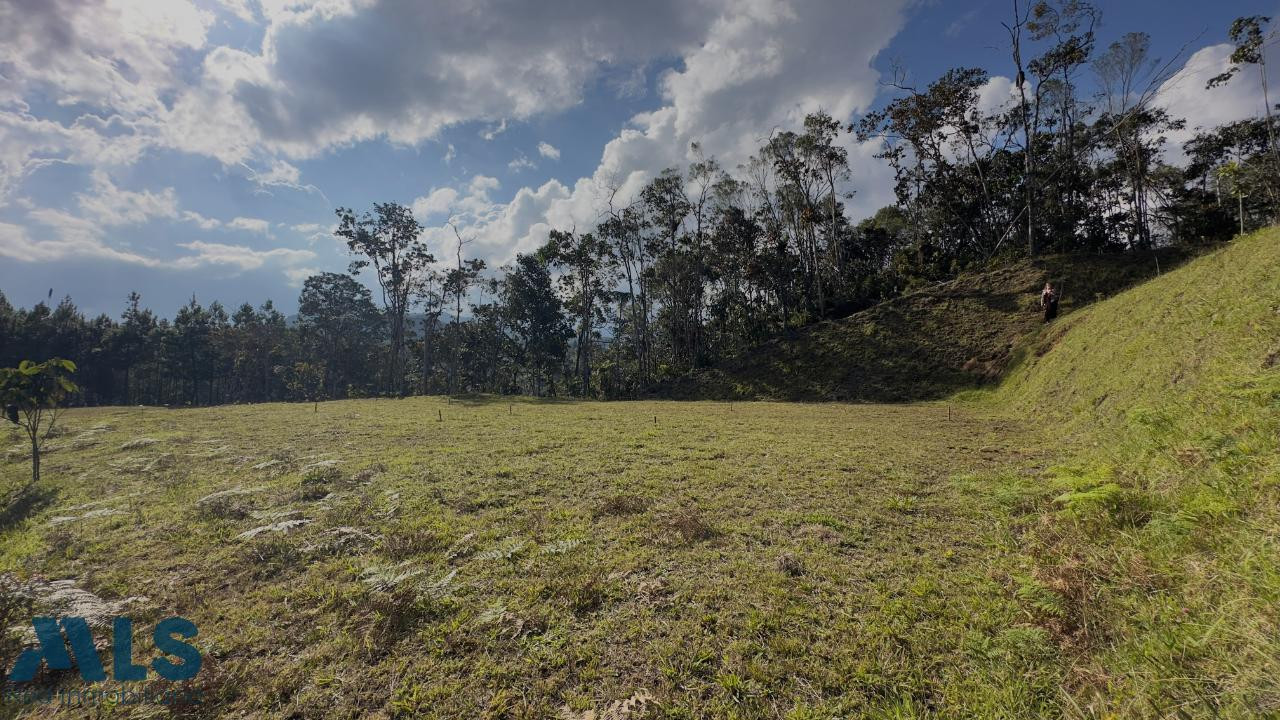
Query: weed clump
{"x":397,"y":597}
{"x":1097,"y":499}
{"x":691,"y":526}
{"x":269,"y":556}
{"x":224,"y":507}
{"x":411,"y":539}
{"x":577,"y":588}
{"x":60,"y":542}
{"x":352,"y":511}
{"x":367,"y":475}
{"x":622,"y":504}
{"x":789,"y":564}
{"x":318,"y":482}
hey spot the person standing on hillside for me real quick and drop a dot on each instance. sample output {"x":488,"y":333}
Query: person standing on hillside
{"x":1049,"y":302}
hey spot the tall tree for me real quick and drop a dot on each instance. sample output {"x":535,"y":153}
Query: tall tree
{"x":431,"y":297}
{"x":624,"y":230}
{"x":133,"y":342}
{"x":533,"y":313}
{"x":339,"y":323}
{"x":1132,"y":126}
{"x":1020,"y":19}
{"x":1251,"y":42}
{"x":386,"y":239}
{"x":588,"y":266}
{"x":457,"y":282}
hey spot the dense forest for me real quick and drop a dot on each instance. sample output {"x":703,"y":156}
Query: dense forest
{"x":707,"y":261}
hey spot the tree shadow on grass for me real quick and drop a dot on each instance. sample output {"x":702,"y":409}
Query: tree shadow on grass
{"x":480,"y":400}
{"x":18,"y":504}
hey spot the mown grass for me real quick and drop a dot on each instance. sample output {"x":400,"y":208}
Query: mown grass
{"x":544,"y":559}
{"x":1096,"y":538}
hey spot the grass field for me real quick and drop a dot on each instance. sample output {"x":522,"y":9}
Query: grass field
{"x":721,"y":559}
{"x":1095,"y":538}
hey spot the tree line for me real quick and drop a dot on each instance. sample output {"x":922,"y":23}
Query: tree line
{"x":707,"y":261}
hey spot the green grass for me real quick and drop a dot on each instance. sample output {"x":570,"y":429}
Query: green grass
{"x":1094,"y":538}
{"x":729,"y":560}
{"x":1166,"y":399}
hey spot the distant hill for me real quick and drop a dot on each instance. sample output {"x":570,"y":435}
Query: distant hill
{"x":926,"y":344}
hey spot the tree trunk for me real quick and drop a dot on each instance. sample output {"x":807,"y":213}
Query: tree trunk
{"x":1266,"y":104}
{"x":1028,"y":138}
{"x":35,"y":453}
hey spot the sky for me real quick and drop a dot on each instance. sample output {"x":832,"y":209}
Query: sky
{"x":198,"y":148}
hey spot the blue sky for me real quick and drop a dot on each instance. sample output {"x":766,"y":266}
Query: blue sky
{"x":197,"y":147}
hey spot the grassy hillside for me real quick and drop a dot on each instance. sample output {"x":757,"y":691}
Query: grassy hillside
{"x":1160,"y":567}
{"x":924,"y":345}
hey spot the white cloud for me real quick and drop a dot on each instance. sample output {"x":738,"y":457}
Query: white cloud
{"x":240,"y":257}
{"x":999,"y":93}
{"x":205,"y":223}
{"x":298,"y":276}
{"x":482,"y":185}
{"x":520,"y":163}
{"x":1184,"y":95}
{"x":111,"y":205}
{"x":240,"y":8}
{"x":495,"y":131}
{"x":631,"y":84}
{"x":28,"y":143}
{"x":498,"y":231}
{"x":333,"y":73}
{"x":71,"y":238}
{"x":437,"y":202}
{"x":316,"y":232}
{"x":118,"y":56}
{"x":61,"y":235}
{"x":255,"y":225}
{"x":763,"y":66}
{"x":279,"y":173}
